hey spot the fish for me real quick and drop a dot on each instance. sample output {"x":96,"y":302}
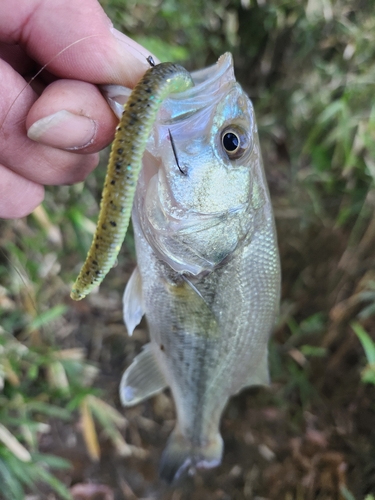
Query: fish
{"x":207,"y":278}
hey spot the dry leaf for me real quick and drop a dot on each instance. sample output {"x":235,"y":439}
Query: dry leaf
{"x":88,"y":430}
{"x":7,"y":438}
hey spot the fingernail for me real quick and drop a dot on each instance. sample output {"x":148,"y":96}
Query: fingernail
{"x":64,"y":130}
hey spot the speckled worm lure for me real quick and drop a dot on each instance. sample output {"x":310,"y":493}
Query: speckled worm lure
{"x":124,"y":165}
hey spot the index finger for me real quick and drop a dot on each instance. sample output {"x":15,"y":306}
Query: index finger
{"x":75,"y":39}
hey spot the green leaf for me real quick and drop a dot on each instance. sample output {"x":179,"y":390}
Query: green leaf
{"x":47,"y":316}
{"x":331,"y":110}
{"x":11,"y":488}
{"x":48,"y":409}
{"x":346,"y":493}
{"x":52,"y":461}
{"x":55,"y":484}
{"x":310,"y":350}
{"x":368,"y":374}
{"x":366,"y":341}
{"x":23,"y":471}
{"x":367,"y":312}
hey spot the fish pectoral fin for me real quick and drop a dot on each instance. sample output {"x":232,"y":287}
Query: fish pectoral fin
{"x":261,"y":375}
{"x":142,"y":379}
{"x":133,"y":302}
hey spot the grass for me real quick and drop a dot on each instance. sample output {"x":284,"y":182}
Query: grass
{"x":310,"y":71}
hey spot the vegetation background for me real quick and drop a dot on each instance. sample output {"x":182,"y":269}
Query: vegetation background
{"x":309,"y":68}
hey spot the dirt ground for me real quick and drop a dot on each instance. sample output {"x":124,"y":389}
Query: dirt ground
{"x":310,"y":436}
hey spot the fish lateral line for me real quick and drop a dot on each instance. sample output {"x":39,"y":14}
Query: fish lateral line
{"x":123,"y":169}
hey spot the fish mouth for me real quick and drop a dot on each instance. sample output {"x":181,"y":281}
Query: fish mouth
{"x":208,"y":84}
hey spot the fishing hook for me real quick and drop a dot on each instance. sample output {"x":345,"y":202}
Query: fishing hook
{"x":175,"y":153}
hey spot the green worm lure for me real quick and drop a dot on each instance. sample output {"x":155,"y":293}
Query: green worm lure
{"x":124,"y":165}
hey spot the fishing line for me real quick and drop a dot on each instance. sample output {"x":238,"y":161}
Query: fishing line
{"x":42,"y":69}
{"x":149,"y":59}
{"x":23,"y":278}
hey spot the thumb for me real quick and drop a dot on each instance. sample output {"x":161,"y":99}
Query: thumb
{"x":75,"y":39}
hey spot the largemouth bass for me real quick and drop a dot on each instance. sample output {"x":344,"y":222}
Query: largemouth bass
{"x":208,"y":273}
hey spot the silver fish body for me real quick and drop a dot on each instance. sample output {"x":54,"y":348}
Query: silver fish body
{"x":208,"y":274}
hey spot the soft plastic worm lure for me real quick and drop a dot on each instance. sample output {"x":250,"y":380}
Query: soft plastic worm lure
{"x":124,"y":165}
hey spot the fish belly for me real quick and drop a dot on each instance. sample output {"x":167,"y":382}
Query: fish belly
{"x":209,"y":338}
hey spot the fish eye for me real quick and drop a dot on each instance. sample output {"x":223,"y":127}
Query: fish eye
{"x":235,"y":142}
{"x":231,"y":142}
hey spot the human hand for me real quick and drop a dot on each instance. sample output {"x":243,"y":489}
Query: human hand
{"x":54,"y":137}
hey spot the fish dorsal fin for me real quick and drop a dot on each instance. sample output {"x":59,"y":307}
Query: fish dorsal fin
{"x":142,"y":379}
{"x":261,"y":375}
{"x":133,"y":302}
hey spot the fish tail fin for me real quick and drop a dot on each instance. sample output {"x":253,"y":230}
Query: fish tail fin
{"x":180,"y":456}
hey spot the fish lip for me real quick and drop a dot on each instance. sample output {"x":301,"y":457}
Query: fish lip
{"x":209,"y":83}
{"x":204,"y":78}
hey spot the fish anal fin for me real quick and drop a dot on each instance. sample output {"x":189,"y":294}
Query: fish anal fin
{"x":142,"y":379}
{"x":133,"y":302}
